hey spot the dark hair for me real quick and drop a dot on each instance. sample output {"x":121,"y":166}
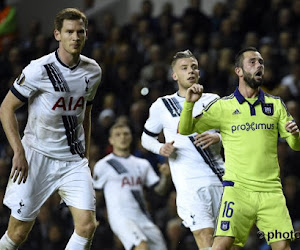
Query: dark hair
{"x":118,"y":125}
{"x":182,"y":54}
{"x":69,"y":14}
{"x":240,"y":56}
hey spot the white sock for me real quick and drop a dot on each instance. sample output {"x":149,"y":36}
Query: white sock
{"x":7,"y":244}
{"x":206,"y":248}
{"x":77,"y":242}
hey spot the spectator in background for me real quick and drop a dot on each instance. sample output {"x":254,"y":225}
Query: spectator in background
{"x":291,"y":58}
{"x":194,"y":20}
{"x":146,"y":13}
{"x":284,"y":21}
{"x":291,"y":82}
{"x":156,"y":55}
{"x":200,"y":43}
{"x":95,"y":38}
{"x":218,"y":13}
{"x":165,"y":20}
{"x":295,"y":11}
{"x":229,"y":37}
{"x":10,"y":68}
{"x":221,"y":84}
{"x":270,"y":17}
{"x":251,"y":39}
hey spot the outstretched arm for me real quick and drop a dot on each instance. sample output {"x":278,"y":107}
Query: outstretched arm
{"x":10,"y":125}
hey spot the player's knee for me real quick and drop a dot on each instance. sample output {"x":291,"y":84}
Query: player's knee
{"x":18,"y":231}
{"x":18,"y":236}
{"x":87,"y":229}
{"x":91,"y":227}
{"x":223,"y":243}
{"x":281,"y":245}
{"x":204,"y":236}
{"x":220,"y":247}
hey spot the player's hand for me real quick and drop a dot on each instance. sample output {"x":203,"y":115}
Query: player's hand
{"x":206,"y":139}
{"x":194,"y":93}
{"x":167,"y":149}
{"x":19,"y":168}
{"x":292,"y":127}
{"x":164,"y":169}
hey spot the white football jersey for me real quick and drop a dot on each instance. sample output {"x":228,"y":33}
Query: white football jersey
{"x":122,"y":180}
{"x":57,"y":96}
{"x":191,"y":166}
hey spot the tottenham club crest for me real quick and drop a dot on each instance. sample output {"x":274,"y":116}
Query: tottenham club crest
{"x":268,"y":109}
{"x":224,"y":225}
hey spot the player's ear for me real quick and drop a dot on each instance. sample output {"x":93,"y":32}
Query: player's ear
{"x":110,"y":140}
{"x":86,"y":34}
{"x":174,"y":76}
{"x":238,"y":71}
{"x":56,"y":35}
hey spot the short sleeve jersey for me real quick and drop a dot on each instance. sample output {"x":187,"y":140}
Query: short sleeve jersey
{"x":249,"y":129}
{"x":57,"y":96}
{"x":122,"y":180}
{"x":189,"y":163}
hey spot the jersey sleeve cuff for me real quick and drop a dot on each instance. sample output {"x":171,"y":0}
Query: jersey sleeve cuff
{"x":188,"y":105}
{"x":18,"y":94}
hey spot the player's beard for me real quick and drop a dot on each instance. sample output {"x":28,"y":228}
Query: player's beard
{"x":250,"y":80}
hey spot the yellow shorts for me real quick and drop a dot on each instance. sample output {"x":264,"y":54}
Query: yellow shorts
{"x":240,"y":209}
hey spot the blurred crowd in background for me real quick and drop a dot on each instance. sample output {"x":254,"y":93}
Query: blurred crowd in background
{"x":135,"y":58}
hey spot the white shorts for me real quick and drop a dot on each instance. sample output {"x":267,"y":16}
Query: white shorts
{"x":200,"y":209}
{"x":131,"y":234}
{"x":72,"y":179}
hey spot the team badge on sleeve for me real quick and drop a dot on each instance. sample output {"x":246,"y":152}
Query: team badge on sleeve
{"x":224,"y":225}
{"x":21,"y":78}
{"x":268,"y":109}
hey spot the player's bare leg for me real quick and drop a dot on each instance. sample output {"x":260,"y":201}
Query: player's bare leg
{"x":17,"y":233}
{"x":85,"y":226}
{"x":281,"y":245}
{"x":223,"y":243}
{"x":204,"y":237}
{"x":142,"y":246}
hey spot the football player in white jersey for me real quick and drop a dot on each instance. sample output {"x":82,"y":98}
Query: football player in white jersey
{"x":122,"y":177}
{"x":53,"y":154}
{"x":196,"y":164}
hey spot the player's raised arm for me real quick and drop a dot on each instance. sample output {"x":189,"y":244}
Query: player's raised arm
{"x":186,"y":124}
{"x":194,"y":93}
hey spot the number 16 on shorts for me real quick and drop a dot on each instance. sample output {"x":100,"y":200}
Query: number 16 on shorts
{"x":227,"y":213}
